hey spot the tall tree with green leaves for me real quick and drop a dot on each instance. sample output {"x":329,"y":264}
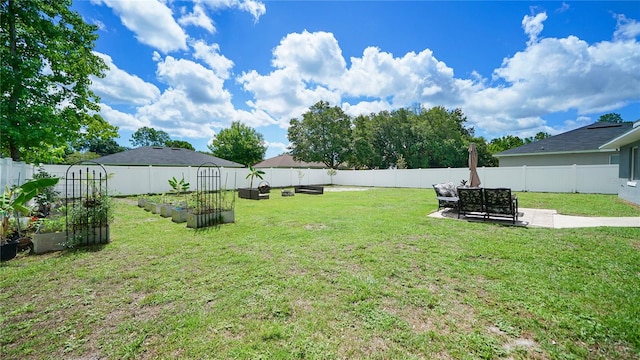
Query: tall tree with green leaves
{"x":179,"y":144}
{"x":539,"y":136}
{"x":148,"y":136}
{"x":239,"y":143}
{"x":47,"y":61}
{"x":612,"y":118}
{"x":323,"y":135}
{"x":504,"y":143}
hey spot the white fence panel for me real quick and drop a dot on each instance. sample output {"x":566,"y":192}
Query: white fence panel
{"x":133,"y":180}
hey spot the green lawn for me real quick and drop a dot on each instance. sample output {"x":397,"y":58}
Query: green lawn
{"x":362,"y":274}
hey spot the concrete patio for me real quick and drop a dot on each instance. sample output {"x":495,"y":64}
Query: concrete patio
{"x":547,"y":219}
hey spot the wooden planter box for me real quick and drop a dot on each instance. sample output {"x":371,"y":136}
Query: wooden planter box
{"x":196,"y":221}
{"x":47,"y":242}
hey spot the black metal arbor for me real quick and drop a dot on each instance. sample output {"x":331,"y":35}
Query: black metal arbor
{"x":87,"y":204}
{"x":208,"y":195}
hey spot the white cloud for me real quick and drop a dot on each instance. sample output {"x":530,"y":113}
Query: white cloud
{"x":210,"y":54}
{"x":313,"y":56}
{"x":198,"y":18}
{"x":199,"y":84}
{"x":121,"y":119}
{"x":283,"y":95}
{"x":279,"y":146}
{"x":532,"y":26}
{"x":120,"y":87}
{"x":626,"y":28}
{"x":255,"y":8}
{"x":151,"y":21}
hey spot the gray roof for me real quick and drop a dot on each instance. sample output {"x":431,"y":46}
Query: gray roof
{"x":585,"y":139}
{"x":163,"y":156}
{"x":632,"y":135}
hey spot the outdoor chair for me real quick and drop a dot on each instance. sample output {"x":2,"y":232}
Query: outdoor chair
{"x":447,"y":195}
{"x":471,"y":202}
{"x":501,"y":203}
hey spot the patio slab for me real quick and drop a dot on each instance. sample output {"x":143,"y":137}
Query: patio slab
{"x":547,"y":218}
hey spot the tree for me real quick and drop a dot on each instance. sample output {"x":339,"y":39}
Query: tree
{"x":179,"y":144}
{"x":323,"y":135}
{"x":611,"y":117}
{"x":47,"y":61}
{"x":504,"y":143}
{"x":147,"y":136}
{"x":539,"y":136}
{"x":103,"y":147}
{"x":239,"y":143}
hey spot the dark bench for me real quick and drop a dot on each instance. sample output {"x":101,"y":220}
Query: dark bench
{"x":486,"y":202}
{"x":309,"y":189}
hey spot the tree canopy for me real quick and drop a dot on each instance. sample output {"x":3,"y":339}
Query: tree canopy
{"x":148,"y":136}
{"x":47,"y":62}
{"x":412,"y":138}
{"x":239,"y":143}
{"x":611,"y":117}
{"x":180,"y":144}
{"x":323,"y":135}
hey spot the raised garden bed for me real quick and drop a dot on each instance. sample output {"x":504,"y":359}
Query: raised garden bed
{"x":309,"y":189}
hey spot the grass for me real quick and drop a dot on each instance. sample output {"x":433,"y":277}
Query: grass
{"x":342,"y":275}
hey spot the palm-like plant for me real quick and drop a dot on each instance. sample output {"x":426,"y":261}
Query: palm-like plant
{"x":254,"y":173}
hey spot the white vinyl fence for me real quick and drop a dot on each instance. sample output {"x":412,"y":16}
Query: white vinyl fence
{"x":135,"y":180}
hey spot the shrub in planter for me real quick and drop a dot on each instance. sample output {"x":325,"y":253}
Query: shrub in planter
{"x":88,"y":221}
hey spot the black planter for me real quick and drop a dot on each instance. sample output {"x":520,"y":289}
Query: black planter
{"x":253,"y":194}
{"x":9,"y":251}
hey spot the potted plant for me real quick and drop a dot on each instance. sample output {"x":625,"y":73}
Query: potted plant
{"x":14,"y":201}
{"x":178,"y":187}
{"x":250,"y":192}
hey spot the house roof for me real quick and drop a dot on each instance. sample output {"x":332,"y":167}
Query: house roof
{"x":630,"y":136}
{"x":286,"y":161}
{"x":163,"y":156}
{"x":585,"y":139}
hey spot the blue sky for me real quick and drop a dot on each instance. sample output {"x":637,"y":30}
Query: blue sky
{"x":190,"y":68}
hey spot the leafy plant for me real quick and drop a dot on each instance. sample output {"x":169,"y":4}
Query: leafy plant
{"x":14,"y":201}
{"x":94,"y":212}
{"x":180,"y":186}
{"x":50,"y":225}
{"x":47,"y":196}
{"x":254,"y":173}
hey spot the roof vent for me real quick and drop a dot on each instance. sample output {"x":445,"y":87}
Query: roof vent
{"x":603,"y":125}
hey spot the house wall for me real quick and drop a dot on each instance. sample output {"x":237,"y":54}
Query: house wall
{"x":598,"y":158}
{"x":629,"y":188}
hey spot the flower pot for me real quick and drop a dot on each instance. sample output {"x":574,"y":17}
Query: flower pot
{"x":46,"y":242}
{"x":156,"y":208}
{"x":142,"y":202}
{"x":9,"y":250}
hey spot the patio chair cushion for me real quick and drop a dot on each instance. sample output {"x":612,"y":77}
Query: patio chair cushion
{"x":445,"y":190}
